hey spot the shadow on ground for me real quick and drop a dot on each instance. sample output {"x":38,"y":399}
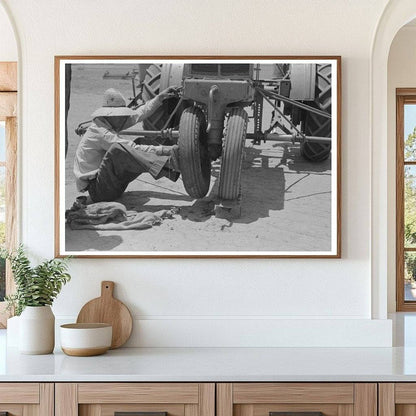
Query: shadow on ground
{"x":263,"y":184}
{"x":295,"y":162}
{"x":86,"y":240}
{"x":258,"y":174}
{"x":139,"y":200}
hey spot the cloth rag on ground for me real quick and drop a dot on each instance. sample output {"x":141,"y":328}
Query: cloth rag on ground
{"x":113,"y":216}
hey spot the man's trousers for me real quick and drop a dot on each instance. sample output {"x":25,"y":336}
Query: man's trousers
{"x":121,"y":165}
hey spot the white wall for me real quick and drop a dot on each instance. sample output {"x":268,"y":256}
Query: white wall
{"x":8,"y":47}
{"x":401,"y":74}
{"x":179,"y":302}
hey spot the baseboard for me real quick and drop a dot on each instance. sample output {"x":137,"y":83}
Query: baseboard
{"x":165,"y":332}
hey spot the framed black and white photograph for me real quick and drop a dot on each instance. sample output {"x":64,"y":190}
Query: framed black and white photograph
{"x":198,"y":156}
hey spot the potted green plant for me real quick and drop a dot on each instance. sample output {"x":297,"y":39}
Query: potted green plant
{"x":36,"y":289}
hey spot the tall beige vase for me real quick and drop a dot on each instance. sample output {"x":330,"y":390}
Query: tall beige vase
{"x":37,"y":330}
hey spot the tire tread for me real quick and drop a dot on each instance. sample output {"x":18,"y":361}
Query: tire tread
{"x":232,"y":158}
{"x":196,"y":171}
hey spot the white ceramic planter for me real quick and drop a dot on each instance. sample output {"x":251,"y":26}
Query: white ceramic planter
{"x":37,"y":330}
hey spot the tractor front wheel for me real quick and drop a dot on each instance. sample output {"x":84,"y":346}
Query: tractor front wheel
{"x":232,"y":156}
{"x":316,"y":125}
{"x":153,"y":84}
{"x":193,"y":152}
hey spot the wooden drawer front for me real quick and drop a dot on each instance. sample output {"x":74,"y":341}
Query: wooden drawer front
{"x":19,"y":393}
{"x":104,"y":399}
{"x":12,"y":409}
{"x":110,"y":409}
{"x":265,"y":409}
{"x":397,"y":399}
{"x":293,"y":393}
{"x":332,"y":399}
{"x":405,"y":393}
{"x":27,"y":399}
{"x":138,"y":393}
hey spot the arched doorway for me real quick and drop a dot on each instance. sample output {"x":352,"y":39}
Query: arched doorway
{"x":396,"y":14}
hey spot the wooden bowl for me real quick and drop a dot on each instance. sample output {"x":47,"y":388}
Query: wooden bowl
{"x":85,"y":340}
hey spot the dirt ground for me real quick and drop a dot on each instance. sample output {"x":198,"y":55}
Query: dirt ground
{"x":286,"y":201}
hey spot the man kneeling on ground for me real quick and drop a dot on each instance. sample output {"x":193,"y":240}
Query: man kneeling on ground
{"x":106,"y":163}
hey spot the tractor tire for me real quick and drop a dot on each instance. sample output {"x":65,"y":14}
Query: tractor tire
{"x":151,"y":88}
{"x":316,"y":125}
{"x":193,"y":152}
{"x":232,"y":156}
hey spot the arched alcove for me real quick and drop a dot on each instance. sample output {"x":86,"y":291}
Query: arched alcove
{"x":396,"y":14}
{"x":401,"y":73}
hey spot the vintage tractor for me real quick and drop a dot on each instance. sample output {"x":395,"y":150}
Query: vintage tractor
{"x":208,"y":119}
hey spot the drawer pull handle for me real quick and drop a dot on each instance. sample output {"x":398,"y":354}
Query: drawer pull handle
{"x":296,"y":414}
{"x":138,"y":414}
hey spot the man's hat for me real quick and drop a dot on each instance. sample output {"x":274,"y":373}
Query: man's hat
{"x":114,"y":105}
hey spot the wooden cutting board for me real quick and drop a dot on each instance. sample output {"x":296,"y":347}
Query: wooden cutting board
{"x":107,"y":309}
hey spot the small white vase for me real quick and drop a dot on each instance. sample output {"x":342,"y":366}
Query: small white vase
{"x":37,"y":330}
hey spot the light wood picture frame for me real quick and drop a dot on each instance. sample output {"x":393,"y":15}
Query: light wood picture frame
{"x":229,"y":156}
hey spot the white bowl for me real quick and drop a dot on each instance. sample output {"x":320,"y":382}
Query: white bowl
{"x":83,"y":340}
